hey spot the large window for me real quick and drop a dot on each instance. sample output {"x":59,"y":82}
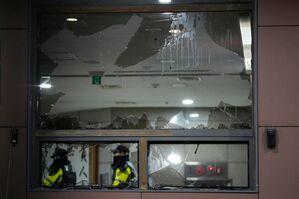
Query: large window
{"x":178,"y":70}
{"x":175,"y":88}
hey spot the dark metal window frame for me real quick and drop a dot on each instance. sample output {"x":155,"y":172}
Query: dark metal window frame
{"x":143,"y":137}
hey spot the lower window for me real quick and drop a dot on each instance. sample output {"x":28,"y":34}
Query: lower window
{"x":198,"y":165}
{"x":73,"y":165}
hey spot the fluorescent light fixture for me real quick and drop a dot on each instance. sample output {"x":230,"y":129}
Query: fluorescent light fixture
{"x":174,"y":158}
{"x":187,"y":101}
{"x":165,"y":1}
{"x":192,"y":163}
{"x":194,"y":115}
{"x":72,"y":19}
{"x":45,"y":82}
{"x":45,"y":85}
{"x":174,"y":31}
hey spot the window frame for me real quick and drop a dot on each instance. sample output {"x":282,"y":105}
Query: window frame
{"x":144,"y":137}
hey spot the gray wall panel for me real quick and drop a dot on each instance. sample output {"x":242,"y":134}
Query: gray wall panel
{"x":278,"y":74}
{"x":13,"y":14}
{"x":273,"y":12}
{"x":13,"y":165}
{"x":4,"y":153}
{"x":13,"y":81}
{"x":279,"y":177}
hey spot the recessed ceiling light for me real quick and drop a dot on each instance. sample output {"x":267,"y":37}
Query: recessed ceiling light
{"x":193,"y":115}
{"x":189,"y":78}
{"x":187,"y":102}
{"x":72,"y":19}
{"x":174,"y":158}
{"x":174,"y":31}
{"x":45,"y":85}
{"x":165,"y":1}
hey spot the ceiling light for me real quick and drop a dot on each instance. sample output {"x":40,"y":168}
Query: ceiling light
{"x":45,"y":85}
{"x":194,"y":115}
{"x":165,"y":1}
{"x":45,"y":82}
{"x":174,"y":31}
{"x":189,"y":78}
{"x":187,"y":102}
{"x":174,"y":158}
{"x":72,"y":19}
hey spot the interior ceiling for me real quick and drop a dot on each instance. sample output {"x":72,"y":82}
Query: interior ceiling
{"x":140,"y":58}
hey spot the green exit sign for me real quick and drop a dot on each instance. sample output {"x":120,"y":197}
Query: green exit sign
{"x":96,"y":80}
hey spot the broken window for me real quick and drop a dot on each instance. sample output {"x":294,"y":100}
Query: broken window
{"x":174,"y":70}
{"x":198,"y":165}
{"x":87,"y":165}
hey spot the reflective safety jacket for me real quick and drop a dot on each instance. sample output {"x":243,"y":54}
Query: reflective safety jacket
{"x":61,"y":176}
{"x":54,"y":179}
{"x":126,"y":177}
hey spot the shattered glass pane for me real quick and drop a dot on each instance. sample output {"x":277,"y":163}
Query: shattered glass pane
{"x":198,"y":165}
{"x":91,"y":163}
{"x":147,"y":66}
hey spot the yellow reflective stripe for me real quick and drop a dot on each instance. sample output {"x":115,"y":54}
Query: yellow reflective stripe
{"x":115,"y":183}
{"x":121,"y":176}
{"x":47,"y":182}
{"x":50,"y":180}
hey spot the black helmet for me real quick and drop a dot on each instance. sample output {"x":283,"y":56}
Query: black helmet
{"x":59,"y":153}
{"x":121,"y":149}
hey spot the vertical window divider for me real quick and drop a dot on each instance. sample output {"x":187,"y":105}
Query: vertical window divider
{"x":143,"y":163}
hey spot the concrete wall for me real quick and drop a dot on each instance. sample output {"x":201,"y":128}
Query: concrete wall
{"x":278,"y":50}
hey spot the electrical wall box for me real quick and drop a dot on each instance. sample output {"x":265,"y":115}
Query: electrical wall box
{"x":271,"y":137}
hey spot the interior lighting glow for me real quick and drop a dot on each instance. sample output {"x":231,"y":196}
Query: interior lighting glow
{"x":174,"y":158}
{"x":72,"y":19}
{"x":165,"y":1}
{"x":194,"y":115}
{"x":174,"y":119}
{"x":187,"y":102}
{"x":174,"y":31}
{"x":45,"y":85}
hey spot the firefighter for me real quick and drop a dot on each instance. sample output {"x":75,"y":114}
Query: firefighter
{"x":124,"y":173}
{"x":61,"y":173}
